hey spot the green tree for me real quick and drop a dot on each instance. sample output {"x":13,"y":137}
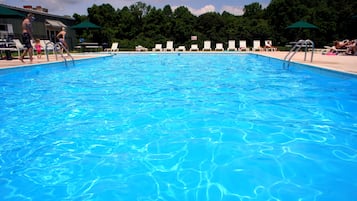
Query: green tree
{"x":105,"y":16}
{"x":152,"y":26}
{"x":232,"y":26}
{"x":143,"y":24}
{"x":211,"y":26}
{"x":184,"y":25}
{"x":126,"y":24}
{"x":253,"y":10}
{"x":167,"y":22}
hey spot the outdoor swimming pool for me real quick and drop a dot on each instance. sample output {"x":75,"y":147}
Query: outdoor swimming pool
{"x":179,"y":127}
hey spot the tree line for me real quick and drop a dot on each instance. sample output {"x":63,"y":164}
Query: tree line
{"x":142,"y":24}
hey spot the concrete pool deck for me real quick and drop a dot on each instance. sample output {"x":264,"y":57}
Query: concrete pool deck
{"x":17,"y":63}
{"x":339,"y":63}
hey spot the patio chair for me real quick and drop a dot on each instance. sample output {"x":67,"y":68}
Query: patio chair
{"x":169,"y":46}
{"x":181,"y":48}
{"x":114,"y":48}
{"x":333,"y":50}
{"x":194,"y":47}
{"x":140,"y":48}
{"x":243,"y":45}
{"x":158,"y":47}
{"x":268,"y":46}
{"x":231,"y":45}
{"x":207,"y":45}
{"x":219,"y":47}
{"x":19,"y":46}
{"x":256,"y":46}
{"x":47,"y":45}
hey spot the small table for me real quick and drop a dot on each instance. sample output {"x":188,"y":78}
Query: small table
{"x":7,"y":47}
{"x":85,"y":46}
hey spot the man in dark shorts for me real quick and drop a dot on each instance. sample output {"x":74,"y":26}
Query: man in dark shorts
{"x":27,"y":36}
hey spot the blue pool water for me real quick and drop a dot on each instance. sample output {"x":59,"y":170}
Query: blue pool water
{"x":177,"y":127}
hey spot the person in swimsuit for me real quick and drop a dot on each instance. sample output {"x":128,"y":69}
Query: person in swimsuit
{"x":27,"y":36}
{"x":62,"y":37}
{"x":38,"y":48}
{"x":340,"y":44}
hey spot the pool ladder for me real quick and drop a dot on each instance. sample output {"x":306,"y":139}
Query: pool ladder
{"x":298,"y":45}
{"x":57,"y":49}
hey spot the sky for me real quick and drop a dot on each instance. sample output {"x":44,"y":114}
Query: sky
{"x":197,"y":7}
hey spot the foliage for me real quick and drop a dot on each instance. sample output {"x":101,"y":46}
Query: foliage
{"x":142,"y":24}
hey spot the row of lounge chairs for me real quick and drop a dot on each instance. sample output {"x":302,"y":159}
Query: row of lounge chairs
{"x":219,"y":46}
{"x":15,"y":45}
{"x":18,"y":46}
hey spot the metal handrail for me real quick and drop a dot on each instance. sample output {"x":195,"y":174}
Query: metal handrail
{"x":298,"y":45}
{"x":46,"y":49}
{"x":59,"y":46}
{"x":56,"y":47}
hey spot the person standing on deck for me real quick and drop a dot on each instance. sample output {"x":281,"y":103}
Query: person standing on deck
{"x":62,"y":37}
{"x":27,"y":36}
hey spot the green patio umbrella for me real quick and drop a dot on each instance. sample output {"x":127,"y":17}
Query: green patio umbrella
{"x":6,"y":12}
{"x":301,"y":25}
{"x":86,"y":25}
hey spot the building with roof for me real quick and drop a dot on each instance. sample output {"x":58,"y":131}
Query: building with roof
{"x":46,"y":25}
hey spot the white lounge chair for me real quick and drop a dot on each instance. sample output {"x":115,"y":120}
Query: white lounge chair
{"x":207,"y":45}
{"x":231,"y":45}
{"x":114,"y":48}
{"x":169,"y":46}
{"x":181,"y":48}
{"x":19,"y":46}
{"x":158,"y":47}
{"x":47,"y":43}
{"x":333,"y":50}
{"x":219,"y":47}
{"x":194,"y":47}
{"x":243,"y":45}
{"x":269,"y":46}
{"x":256,"y":46}
{"x":140,"y":48}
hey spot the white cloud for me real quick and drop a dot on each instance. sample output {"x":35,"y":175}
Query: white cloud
{"x":235,"y":10}
{"x":69,"y":7}
{"x":200,"y":11}
{"x":54,"y":5}
{"x":205,"y":9}
{"x":232,"y":9}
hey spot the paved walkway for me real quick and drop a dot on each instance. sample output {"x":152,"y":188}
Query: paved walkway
{"x":339,"y":63}
{"x":17,"y":63}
